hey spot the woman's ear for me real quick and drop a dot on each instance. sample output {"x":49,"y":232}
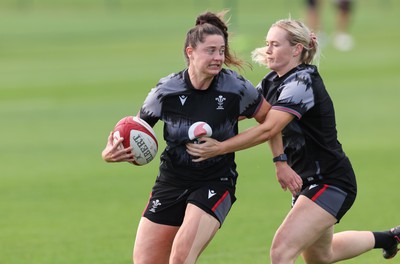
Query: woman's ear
{"x":189,"y":51}
{"x":297,"y":49}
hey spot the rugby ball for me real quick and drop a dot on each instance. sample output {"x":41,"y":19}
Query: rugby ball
{"x":139,"y":135}
{"x":198,"y":130}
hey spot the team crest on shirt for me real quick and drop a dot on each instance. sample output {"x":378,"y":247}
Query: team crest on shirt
{"x":220,"y":101}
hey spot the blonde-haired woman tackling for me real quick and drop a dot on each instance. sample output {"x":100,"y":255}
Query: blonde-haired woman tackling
{"x":302,"y":111}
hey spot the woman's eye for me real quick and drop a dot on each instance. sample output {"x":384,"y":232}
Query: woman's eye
{"x":210,"y":51}
{"x":271,"y":45}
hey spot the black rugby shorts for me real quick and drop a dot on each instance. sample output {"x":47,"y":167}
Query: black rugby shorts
{"x":167,"y":204}
{"x":331,"y":198}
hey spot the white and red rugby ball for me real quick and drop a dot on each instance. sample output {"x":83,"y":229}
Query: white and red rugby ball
{"x":198,"y":130}
{"x":140,"y":136}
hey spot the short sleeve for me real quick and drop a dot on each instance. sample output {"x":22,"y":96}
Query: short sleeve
{"x":296,"y":96}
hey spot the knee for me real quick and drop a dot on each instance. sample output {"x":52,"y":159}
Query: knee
{"x":281,"y":252}
{"x":276,"y":255}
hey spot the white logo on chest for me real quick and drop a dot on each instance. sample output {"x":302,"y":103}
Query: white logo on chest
{"x":220,"y":101}
{"x":183,"y":99}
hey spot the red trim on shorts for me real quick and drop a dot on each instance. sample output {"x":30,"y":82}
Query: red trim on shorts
{"x":318,"y":194}
{"x":220,"y":201}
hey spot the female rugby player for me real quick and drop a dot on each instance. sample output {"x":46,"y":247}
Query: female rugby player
{"x":190,"y":200}
{"x":303,"y":112}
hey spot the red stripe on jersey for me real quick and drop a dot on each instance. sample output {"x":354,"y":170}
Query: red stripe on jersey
{"x":220,"y":201}
{"x":318,"y":194}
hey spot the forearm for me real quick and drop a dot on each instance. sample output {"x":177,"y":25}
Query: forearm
{"x":273,"y":124}
{"x":276,"y":145}
{"x":286,"y":176}
{"x":248,"y":138}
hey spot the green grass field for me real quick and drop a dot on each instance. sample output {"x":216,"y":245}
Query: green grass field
{"x":71,"y":69}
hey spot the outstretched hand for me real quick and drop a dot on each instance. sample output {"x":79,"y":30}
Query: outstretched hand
{"x":115,"y":152}
{"x":288,"y":178}
{"x":205,"y":149}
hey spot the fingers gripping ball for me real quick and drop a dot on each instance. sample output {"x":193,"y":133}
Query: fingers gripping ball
{"x":140,"y":136}
{"x":198,"y":130}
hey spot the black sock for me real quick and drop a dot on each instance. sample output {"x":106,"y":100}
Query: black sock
{"x":384,"y":240}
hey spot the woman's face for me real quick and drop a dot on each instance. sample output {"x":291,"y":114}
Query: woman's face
{"x":281,"y":56}
{"x":208,"y":57}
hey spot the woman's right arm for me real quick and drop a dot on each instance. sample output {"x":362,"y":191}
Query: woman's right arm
{"x":286,"y":176}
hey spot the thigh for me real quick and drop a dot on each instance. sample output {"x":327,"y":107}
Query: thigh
{"x":197,"y":230}
{"x":321,"y":250}
{"x":150,"y":235}
{"x":303,"y":226}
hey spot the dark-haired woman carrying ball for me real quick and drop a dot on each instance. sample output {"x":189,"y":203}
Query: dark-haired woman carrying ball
{"x":190,"y":200}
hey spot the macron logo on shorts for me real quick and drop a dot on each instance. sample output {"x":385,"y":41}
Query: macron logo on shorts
{"x":312,"y":186}
{"x":211,"y":193}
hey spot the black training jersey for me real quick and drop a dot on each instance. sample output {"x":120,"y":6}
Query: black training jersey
{"x":178,"y":104}
{"x":310,"y":139}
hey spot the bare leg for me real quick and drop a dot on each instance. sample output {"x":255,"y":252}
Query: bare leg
{"x":343,"y":16}
{"x":349,"y":244}
{"x":304,"y":225}
{"x":343,"y":40}
{"x":341,"y":246}
{"x":313,"y":15}
{"x":153,"y":242}
{"x":196,"y":232}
